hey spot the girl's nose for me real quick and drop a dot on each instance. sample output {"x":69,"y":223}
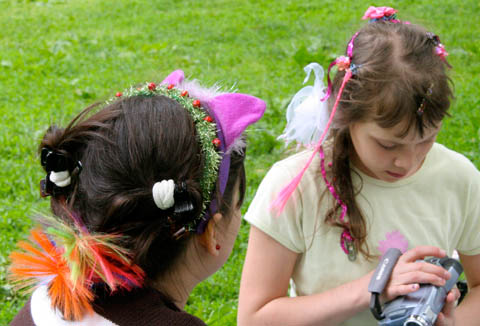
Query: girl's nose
{"x":406,"y":159}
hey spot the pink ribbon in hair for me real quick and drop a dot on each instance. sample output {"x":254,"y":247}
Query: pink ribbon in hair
{"x":342,"y":62}
{"x":440,"y":51}
{"x":282,"y":198}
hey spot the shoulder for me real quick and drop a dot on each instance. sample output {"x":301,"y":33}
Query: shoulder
{"x":285,"y":170}
{"x":144,"y":307}
{"x":295,"y":161}
{"x":38,"y":311}
{"x":139,"y":307}
{"x":24,"y":316}
{"x":454,"y":173}
{"x":453,"y":164}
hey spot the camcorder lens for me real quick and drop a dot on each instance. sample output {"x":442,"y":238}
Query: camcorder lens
{"x":414,"y":323}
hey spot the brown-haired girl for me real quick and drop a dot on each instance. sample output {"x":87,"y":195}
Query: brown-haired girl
{"x":145,"y":197}
{"x":378,"y":181}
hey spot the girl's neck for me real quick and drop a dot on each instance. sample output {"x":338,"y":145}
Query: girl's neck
{"x":177,"y":286}
{"x":180,"y":280}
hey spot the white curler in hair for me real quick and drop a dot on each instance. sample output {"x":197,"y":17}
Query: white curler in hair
{"x":60,"y":179}
{"x":163,"y":194}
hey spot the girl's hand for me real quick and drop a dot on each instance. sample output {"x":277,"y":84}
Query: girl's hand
{"x":409,"y":273}
{"x":447,"y":316}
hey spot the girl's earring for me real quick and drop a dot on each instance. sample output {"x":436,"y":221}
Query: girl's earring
{"x":217,"y":247}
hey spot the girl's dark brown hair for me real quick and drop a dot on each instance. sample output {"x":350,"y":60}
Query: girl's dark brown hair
{"x":125,"y":148}
{"x":397,"y":66}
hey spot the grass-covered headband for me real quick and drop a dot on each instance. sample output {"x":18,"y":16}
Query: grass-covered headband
{"x":220,"y":120}
{"x":204,"y":125}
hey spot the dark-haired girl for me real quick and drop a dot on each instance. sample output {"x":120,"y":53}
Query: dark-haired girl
{"x":145,"y":197}
{"x":379,"y":180}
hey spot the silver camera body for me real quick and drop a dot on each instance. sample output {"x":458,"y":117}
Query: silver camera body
{"x":421,"y":307}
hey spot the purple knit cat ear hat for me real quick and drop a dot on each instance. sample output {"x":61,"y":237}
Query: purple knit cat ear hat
{"x":232,"y":112}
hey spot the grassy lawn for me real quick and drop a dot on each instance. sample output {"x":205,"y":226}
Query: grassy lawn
{"x":59,"y":56}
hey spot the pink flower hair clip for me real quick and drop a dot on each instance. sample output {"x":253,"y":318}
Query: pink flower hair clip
{"x":387,"y":14}
{"x":381,"y":13}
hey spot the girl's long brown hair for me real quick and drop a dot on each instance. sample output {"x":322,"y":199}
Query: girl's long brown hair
{"x":397,"y":66}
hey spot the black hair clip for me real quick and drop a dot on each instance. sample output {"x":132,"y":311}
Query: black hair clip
{"x":183,"y":202}
{"x":54,"y":162}
{"x":433,"y":38}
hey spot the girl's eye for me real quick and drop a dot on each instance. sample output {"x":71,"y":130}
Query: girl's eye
{"x":428,"y":141}
{"x":387,"y":147}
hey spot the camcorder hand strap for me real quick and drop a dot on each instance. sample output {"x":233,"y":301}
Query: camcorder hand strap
{"x":380,"y":278}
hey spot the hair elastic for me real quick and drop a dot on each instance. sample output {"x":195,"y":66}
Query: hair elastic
{"x":429,"y":92}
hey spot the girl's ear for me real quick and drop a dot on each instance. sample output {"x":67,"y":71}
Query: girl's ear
{"x":208,"y":239}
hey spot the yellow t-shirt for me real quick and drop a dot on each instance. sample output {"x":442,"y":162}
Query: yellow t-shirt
{"x":438,"y":205}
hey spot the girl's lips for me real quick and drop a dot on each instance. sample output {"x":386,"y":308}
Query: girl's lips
{"x":395,"y":175}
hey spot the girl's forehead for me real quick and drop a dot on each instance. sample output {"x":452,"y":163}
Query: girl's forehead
{"x":397,"y":132}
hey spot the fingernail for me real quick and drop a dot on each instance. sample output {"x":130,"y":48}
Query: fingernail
{"x":447,"y":275}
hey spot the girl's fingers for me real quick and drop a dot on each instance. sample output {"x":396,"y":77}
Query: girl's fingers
{"x":420,"y":252}
{"x":418,"y":277}
{"x":441,"y":320}
{"x":421,"y":266}
{"x":447,"y":315}
{"x":395,"y":291}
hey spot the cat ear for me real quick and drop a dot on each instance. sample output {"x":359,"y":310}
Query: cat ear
{"x":234,"y":112}
{"x":175,"y":77}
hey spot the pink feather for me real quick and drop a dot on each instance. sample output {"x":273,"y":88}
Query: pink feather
{"x":279,"y":203}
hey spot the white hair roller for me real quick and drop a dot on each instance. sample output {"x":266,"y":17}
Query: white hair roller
{"x":163,"y":194}
{"x":60,"y":179}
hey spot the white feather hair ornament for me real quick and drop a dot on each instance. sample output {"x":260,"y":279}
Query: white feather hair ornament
{"x":307,"y":114}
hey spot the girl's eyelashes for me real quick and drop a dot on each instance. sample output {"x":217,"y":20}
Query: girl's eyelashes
{"x":385,"y":146}
{"x":429,"y":140}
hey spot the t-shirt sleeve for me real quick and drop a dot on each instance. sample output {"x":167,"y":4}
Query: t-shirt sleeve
{"x":286,"y":226}
{"x":469,"y":243}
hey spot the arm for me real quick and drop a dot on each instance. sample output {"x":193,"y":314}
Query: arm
{"x":468,"y":312}
{"x":265,"y":280}
{"x":269,"y":266}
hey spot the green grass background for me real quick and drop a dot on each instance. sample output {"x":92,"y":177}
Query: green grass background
{"x":57,"y":57}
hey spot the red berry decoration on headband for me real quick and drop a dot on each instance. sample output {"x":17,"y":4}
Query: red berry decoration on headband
{"x":216,"y":142}
{"x":196,"y":103}
{"x":208,"y":118}
{"x":118,"y":94}
{"x":184,"y":93}
{"x":170,"y":86}
{"x":152,"y":86}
